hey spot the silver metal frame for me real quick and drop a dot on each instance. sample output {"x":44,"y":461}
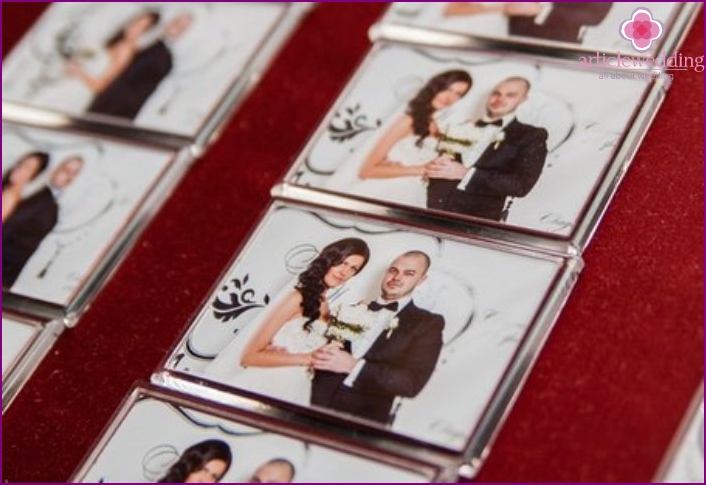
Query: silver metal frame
{"x":385,"y":30}
{"x":212,"y":124}
{"x":588,"y":219}
{"x":150,"y":203}
{"x":141,"y":391}
{"x":465,"y":463}
{"x":19,"y":370}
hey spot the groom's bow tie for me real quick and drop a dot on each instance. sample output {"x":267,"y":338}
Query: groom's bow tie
{"x":481,"y":123}
{"x":374,"y":306}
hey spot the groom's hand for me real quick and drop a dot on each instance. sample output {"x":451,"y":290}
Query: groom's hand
{"x":444,"y":168}
{"x":333,"y":359}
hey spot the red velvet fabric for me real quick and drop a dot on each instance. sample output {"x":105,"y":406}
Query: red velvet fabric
{"x":607,"y":391}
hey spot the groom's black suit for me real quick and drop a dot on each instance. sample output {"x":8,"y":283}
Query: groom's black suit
{"x":24,"y":231}
{"x":128,"y":92}
{"x":564,"y":23}
{"x":510,"y":170}
{"x":399,"y":365}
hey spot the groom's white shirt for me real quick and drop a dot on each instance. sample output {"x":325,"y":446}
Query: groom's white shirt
{"x":360,"y":348}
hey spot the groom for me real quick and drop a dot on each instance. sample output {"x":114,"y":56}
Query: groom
{"x":505,"y":160}
{"x":392,"y":360}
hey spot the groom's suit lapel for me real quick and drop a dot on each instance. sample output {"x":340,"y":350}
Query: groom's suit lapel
{"x":383,"y":342}
{"x":505,"y":150}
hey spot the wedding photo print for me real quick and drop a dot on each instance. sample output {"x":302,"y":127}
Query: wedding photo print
{"x":65,"y":200}
{"x":160,"y":441}
{"x":158,"y":65}
{"x":409,"y":332}
{"x":517,"y":142}
{"x":590,"y":26}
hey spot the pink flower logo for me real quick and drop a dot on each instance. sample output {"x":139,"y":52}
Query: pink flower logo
{"x":641,"y":29}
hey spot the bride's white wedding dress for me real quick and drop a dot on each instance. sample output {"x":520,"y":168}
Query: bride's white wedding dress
{"x":290,"y":383}
{"x":401,"y":190}
{"x":69,"y":93}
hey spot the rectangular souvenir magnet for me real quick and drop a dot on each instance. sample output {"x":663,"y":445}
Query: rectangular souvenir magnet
{"x":160,"y":436}
{"x":295,"y":329}
{"x":556,"y":29}
{"x":171,"y":72}
{"x":72,"y":204}
{"x":529,"y":150}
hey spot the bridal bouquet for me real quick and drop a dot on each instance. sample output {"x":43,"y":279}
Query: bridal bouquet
{"x":455,"y":140}
{"x":350,"y":323}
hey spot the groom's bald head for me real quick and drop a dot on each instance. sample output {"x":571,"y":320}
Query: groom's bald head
{"x":404,"y":274}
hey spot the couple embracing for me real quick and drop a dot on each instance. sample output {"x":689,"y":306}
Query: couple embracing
{"x":473,"y":168}
{"x":295,"y":352}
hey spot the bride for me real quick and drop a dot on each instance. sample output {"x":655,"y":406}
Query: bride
{"x":275,"y":360}
{"x":405,"y":147}
{"x":15,"y":181}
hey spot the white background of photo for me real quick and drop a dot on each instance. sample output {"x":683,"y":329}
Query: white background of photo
{"x":15,"y":337}
{"x":500,"y":292}
{"x":152,"y":426}
{"x":603,"y":37}
{"x":207,"y":58}
{"x":92,"y":210}
{"x":593,"y":113}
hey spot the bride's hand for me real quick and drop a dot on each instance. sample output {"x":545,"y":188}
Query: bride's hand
{"x":308,"y":360}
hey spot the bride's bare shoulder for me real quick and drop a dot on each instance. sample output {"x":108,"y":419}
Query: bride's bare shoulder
{"x":405,"y":122}
{"x":292,"y":297}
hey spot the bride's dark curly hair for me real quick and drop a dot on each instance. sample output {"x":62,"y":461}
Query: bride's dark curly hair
{"x":42,"y":157}
{"x":420,"y":108}
{"x":119,"y":36}
{"x":195,"y":459}
{"x":311,"y":283}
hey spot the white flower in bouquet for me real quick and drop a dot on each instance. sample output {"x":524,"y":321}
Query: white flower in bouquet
{"x":350,"y":323}
{"x":464,"y":131}
{"x":456,"y":139}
